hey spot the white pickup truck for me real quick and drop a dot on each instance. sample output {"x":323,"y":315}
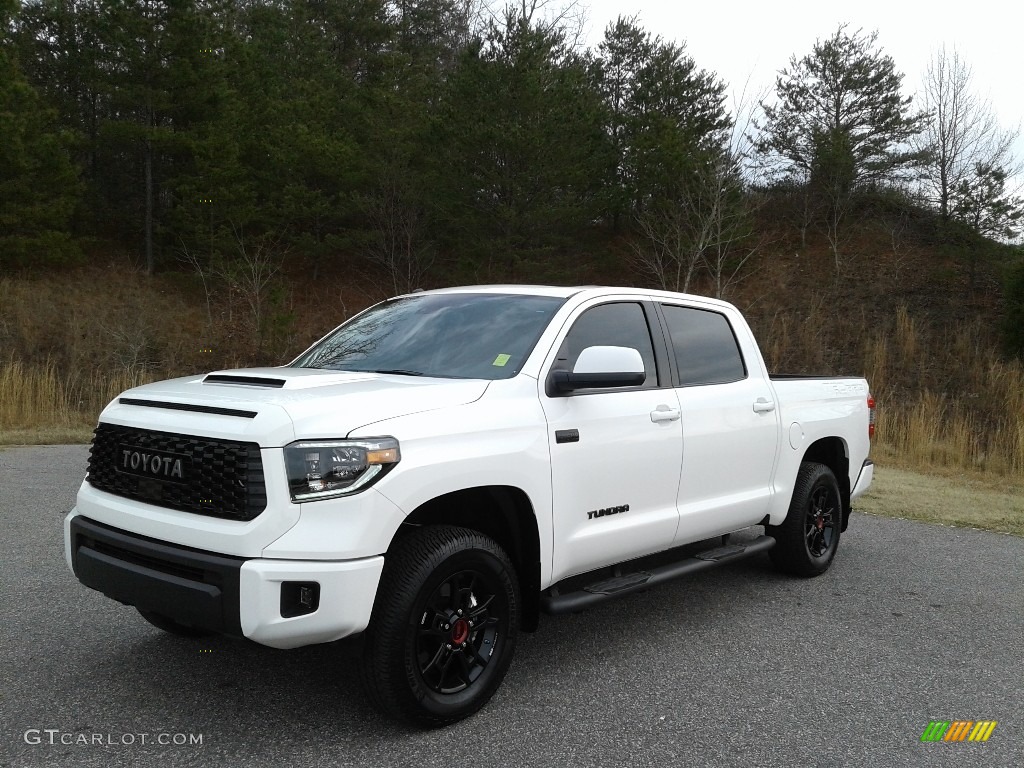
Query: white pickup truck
{"x":447,"y":464}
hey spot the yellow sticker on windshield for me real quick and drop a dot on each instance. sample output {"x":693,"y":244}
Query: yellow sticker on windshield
{"x":500,"y":360}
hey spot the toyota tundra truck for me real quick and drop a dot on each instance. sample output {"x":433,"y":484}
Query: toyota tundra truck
{"x":446,"y":465}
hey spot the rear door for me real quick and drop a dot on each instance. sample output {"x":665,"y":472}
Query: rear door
{"x":616,"y":453}
{"x":729,"y":423}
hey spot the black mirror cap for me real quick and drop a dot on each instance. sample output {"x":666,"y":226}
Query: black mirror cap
{"x":566,"y":382}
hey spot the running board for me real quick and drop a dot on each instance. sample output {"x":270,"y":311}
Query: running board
{"x":600,"y":591}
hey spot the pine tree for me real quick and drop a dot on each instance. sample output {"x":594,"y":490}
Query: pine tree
{"x":39,"y":186}
{"x":841,"y":117}
{"x":523,"y":146}
{"x":665,"y":116}
{"x":982,"y":201}
{"x":840,"y":124}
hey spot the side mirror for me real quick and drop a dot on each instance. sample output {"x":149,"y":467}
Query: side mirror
{"x":601,"y":368}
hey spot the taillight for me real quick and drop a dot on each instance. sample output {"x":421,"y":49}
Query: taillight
{"x":871,"y":416}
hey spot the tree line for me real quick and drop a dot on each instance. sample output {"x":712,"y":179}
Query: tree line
{"x":221,"y":133}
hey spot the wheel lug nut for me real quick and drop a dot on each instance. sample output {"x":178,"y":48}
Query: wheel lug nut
{"x":447,"y":626}
{"x":459,"y":611}
{"x":463,"y":645}
{"x":448,"y":646}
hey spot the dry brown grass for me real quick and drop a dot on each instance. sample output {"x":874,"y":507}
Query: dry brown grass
{"x":948,"y":498}
{"x":945,"y":398}
{"x":46,"y":436}
{"x":70,"y":342}
{"x":45,"y":404}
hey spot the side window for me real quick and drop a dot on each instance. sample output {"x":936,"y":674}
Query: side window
{"x":622,"y":324}
{"x":705,"y":347}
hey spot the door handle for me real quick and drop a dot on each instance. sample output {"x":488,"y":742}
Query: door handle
{"x":664,"y":413}
{"x":763,"y":405}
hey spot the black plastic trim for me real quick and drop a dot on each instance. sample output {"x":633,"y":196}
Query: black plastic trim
{"x":662,"y":348}
{"x":291,"y":598}
{"x":190,"y":586}
{"x":226,"y":478}
{"x":188,"y":407}
{"x":570,"y":602}
{"x":565,"y":382}
{"x":253,"y":381}
{"x":567,"y":435}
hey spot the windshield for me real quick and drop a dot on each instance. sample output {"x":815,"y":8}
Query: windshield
{"x":450,"y":335}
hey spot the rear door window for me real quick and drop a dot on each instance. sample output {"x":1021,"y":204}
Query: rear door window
{"x":705,"y":346}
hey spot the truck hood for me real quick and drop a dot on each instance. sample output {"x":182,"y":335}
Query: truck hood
{"x":278,"y":405}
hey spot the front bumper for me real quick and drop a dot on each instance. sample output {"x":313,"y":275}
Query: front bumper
{"x":230,"y":595}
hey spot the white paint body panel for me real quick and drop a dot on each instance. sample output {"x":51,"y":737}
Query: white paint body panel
{"x":720,"y":467}
{"x":347,"y":590}
{"x":622,"y":458}
{"x":729,"y":454}
{"x":822,"y":408}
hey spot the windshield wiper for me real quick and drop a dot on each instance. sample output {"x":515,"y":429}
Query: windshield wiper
{"x":397,"y":371}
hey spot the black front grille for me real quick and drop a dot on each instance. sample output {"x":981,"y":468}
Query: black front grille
{"x":219,"y":478}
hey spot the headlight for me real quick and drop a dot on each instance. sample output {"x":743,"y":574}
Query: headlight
{"x":324,"y":469}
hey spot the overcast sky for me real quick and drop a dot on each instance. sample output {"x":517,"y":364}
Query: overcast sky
{"x":741,"y":39}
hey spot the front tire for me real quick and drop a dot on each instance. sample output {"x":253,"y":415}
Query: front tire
{"x":443,"y":628}
{"x":807,"y":540}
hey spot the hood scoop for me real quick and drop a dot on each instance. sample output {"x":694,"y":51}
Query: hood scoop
{"x":247,"y":381}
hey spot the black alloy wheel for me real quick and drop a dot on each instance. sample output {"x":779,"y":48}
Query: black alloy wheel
{"x":443,"y":628}
{"x":821,"y":520}
{"x":458,"y":633}
{"x":807,"y":540}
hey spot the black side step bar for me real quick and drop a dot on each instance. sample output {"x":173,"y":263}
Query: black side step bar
{"x":592,"y":594}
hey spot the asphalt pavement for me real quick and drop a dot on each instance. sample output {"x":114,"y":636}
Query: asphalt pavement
{"x":737,"y":666}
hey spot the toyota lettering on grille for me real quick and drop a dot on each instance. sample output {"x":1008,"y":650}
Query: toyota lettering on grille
{"x":156,"y":464}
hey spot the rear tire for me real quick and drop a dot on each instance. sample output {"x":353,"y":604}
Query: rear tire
{"x":443,"y":628}
{"x":807,"y":540}
{"x":171,"y":626}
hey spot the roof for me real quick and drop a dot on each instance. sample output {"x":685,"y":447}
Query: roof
{"x":564,"y":292}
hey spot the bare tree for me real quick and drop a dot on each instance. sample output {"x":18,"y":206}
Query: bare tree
{"x":398,"y":243}
{"x":190,"y":258}
{"x":897,"y":229}
{"x":733,"y":241}
{"x":250,"y":273}
{"x":962,"y":133}
{"x":569,"y":17}
{"x":672,"y":243}
{"x":707,"y":226}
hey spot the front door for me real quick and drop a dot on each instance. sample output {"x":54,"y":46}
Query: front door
{"x":615,"y":454}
